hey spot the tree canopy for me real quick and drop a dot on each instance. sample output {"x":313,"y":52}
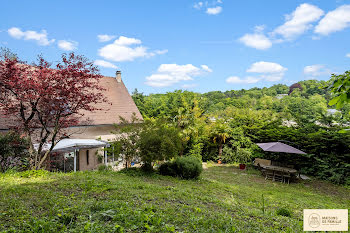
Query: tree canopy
{"x":43,"y":101}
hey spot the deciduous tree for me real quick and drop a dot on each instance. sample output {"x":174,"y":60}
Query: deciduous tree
{"x":43,"y":101}
{"x":340,"y":86}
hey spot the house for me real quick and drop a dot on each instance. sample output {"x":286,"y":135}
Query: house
{"x":94,"y":125}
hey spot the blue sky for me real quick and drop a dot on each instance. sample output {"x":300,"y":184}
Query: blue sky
{"x":164,"y":45}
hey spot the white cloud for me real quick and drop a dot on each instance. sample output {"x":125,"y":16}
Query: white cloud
{"x":184,"y":71}
{"x":160,"y":52}
{"x":299,"y":21}
{"x":105,"y":64}
{"x":316,"y":70}
{"x":67,"y":45}
{"x":206,"y":68}
{"x":170,"y":74}
{"x":259,"y":28}
{"x":105,"y":38}
{"x":198,"y":5}
{"x":256,"y":40}
{"x":124,"y":49}
{"x":238,"y":80}
{"x":347,"y":55}
{"x":40,"y":37}
{"x":214,"y":10}
{"x":266,"y":67}
{"x":312,"y":69}
{"x":15,"y":33}
{"x":124,"y":41}
{"x":335,"y":20}
{"x":157,"y":52}
{"x":210,"y":7}
{"x":268,"y":71}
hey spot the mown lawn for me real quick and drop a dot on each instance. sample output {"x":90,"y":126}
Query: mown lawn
{"x":224,"y":199}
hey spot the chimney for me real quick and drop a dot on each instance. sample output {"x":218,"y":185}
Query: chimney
{"x":118,"y":76}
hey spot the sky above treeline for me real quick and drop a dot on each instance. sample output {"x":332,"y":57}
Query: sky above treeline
{"x":165,"y":45}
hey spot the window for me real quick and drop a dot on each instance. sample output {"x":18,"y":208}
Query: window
{"x":87,"y":157}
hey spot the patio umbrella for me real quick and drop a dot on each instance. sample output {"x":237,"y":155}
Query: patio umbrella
{"x":279,"y":147}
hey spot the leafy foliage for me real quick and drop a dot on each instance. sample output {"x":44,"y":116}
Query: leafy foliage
{"x":340,"y":86}
{"x":158,"y":141}
{"x":13,"y":152}
{"x":152,"y":140}
{"x":221,"y":125}
{"x":126,"y":144}
{"x":188,"y":167}
{"x":328,"y":151}
{"x":41,"y":101}
{"x":103,"y":168}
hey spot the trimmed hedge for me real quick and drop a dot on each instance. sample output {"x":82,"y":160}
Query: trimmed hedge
{"x":189,"y":167}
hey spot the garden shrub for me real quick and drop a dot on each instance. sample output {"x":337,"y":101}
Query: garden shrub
{"x":196,"y":150}
{"x":168,"y":169}
{"x":228,"y":155}
{"x":189,"y":167}
{"x":284,"y":212}
{"x":13,"y":152}
{"x":158,"y":141}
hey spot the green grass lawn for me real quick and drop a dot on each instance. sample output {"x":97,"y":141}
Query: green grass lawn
{"x":224,"y":199}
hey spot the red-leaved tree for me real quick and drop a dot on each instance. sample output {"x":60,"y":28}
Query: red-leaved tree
{"x":42,"y":101}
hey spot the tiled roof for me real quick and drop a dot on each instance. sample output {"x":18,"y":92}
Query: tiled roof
{"x":119,"y":103}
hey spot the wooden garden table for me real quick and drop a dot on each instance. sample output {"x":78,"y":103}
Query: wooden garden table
{"x":280,"y":169}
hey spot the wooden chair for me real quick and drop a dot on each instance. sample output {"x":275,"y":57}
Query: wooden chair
{"x":278,"y":176}
{"x":261,"y":162}
{"x":261,"y":169}
{"x":286,"y":177}
{"x":269,"y":175}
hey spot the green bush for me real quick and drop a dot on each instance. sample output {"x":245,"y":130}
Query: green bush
{"x":228,"y":155}
{"x":196,"y":150}
{"x":158,"y":141}
{"x":189,"y":167}
{"x":168,"y":169}
{"x":243,"y":155}
{"x":284,"y":212}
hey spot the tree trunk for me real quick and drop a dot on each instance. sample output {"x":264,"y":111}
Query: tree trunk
{"x":43,"y":160}
{"x":220,"y":150}
{"x":33,"y":155}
